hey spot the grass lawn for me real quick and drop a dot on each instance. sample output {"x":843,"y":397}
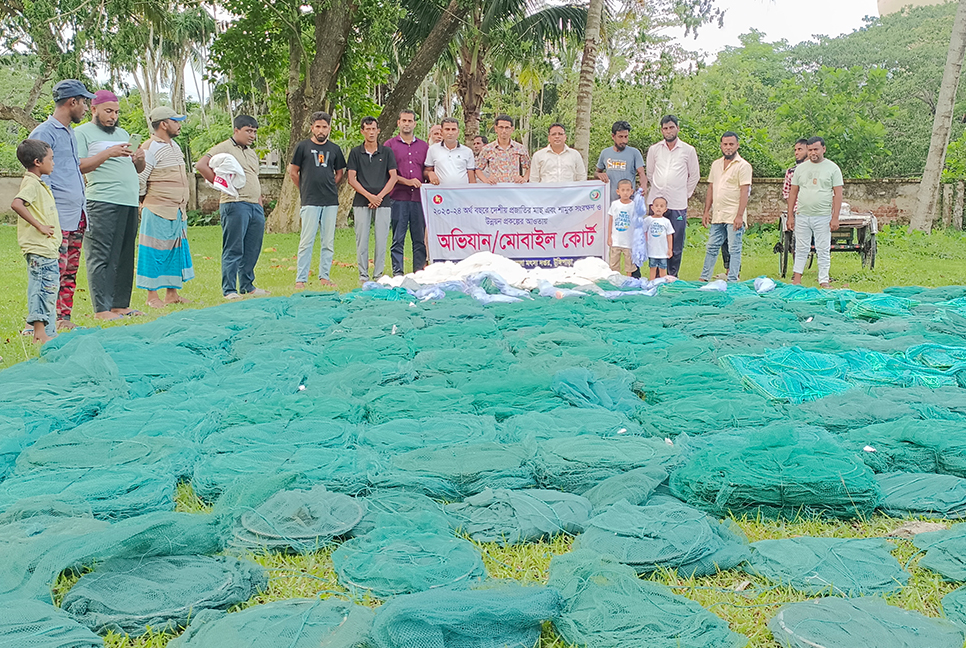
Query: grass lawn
{"x":746,"y":602}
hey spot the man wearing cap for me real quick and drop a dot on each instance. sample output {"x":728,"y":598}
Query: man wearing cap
{"x":242,"y":216}
{"x":67,"y":185}
{"x":111,"y":169}
{"x":164,"y":259}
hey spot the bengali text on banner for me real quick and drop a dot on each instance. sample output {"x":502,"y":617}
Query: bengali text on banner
{"x":537,"y":225}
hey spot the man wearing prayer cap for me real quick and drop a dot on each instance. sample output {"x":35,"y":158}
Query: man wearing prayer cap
{"x":110,"y":161}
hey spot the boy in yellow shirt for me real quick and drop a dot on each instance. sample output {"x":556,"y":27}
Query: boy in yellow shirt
{"x":39,"y":237}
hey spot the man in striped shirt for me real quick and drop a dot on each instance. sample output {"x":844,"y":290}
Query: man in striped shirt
{"x":164,"y":259}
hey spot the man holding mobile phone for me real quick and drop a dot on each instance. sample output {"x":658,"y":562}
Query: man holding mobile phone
{"x":110,"y":160}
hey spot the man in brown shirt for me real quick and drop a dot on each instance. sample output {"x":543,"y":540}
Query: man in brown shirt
{"x":242,"y":216}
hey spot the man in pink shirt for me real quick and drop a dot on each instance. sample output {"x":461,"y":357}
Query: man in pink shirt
{"x":407,"y":210}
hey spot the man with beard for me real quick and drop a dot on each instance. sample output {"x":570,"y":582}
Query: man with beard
{"x":164,"y":260}
{"x":729,"y":185}
{"x":111,"y":168}
{"x":672,"y":168}
{"x":407,"y":208}
{"x":67,"y":185}
{"x":620,"y":161}
{"x":316,"y":169}
{"x":814,"y":202}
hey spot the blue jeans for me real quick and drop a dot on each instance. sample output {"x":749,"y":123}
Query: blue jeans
{"x":242,"y":230}
{"x":718,"y":234}
{"x":43,"y":284}
{"x":657,"y":263}
{"x":316,"y":219}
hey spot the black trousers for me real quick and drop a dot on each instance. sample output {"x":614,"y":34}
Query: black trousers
{"x":407,"y":215}
{"x":679,"y":221}
{"x":109,"y":245}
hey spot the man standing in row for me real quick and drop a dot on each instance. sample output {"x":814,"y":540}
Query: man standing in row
{"x":729,"y":185}
{"x":814,"y":202}
{"x":164,"y":258}
{"x":407,"y":208}
{"x":558,"y":162}
{"x":503,"y":160}
{"x":450,"y":163}
{"x":372,"y":173}
{"x":672,"y":168}
{"x":242,"y":216}
{"x":801,"y":154}
{"x":67,"y":185}
{"x":620,"y":161}
{"x":112,"y":170}
{"x":316,"y":169}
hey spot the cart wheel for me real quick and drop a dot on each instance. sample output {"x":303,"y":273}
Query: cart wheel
{"x":786,"y":246}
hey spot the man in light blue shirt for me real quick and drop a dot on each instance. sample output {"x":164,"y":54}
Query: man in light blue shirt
{"x":67,"y":185}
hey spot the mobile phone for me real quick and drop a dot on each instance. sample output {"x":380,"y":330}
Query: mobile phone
{"x":135,"y":140}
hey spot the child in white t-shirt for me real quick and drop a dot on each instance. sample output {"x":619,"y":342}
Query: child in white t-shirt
{"x":660,"y":236}
{"x":619,"y":233}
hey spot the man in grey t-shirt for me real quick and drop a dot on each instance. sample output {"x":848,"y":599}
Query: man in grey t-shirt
{"x":620,"y":161}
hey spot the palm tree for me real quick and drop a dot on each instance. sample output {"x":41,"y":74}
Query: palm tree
{"x":585,"y":84}
{"x":515,"y":27}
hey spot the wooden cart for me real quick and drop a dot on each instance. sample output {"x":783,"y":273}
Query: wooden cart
{"x":856,"y":233}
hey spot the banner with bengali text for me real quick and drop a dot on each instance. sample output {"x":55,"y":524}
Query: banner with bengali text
{"x":536,"y":225}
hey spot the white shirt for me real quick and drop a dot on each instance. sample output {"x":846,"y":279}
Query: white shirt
{"x":673,"y":173}
{"x":566,"y":166}
{"x":451,"y":165}
{"x":657,"y":230}
{"x":620,"y":224}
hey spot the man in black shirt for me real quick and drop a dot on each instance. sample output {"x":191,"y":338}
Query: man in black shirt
{"x":372,"y":173}
{"x":316,"y":169}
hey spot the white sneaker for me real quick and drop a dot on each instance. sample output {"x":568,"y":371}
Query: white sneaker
{"x":232,"y":295}
{"x":259,"y":292}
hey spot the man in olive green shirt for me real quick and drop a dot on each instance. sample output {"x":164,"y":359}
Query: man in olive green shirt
{"x":242,"y":217}
{"x":817,"y":187}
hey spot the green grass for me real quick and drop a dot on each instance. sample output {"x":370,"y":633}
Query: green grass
{"x":746,"y":602}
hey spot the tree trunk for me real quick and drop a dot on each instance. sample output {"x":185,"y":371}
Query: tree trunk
{"x":922,"y":219}
{"x":307,"y":93}
{"x":471,"y":72}
{"x":422,"y":62}
{"x":958,"y":207}
{"x":585,"y":84}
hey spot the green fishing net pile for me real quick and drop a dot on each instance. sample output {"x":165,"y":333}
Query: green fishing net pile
{"x":382,"y":428}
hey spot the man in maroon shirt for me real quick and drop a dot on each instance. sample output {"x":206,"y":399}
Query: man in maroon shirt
{"x":407,"y":210}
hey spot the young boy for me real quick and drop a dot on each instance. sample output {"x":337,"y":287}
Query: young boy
{"x":39,"y":236}
{"x":660,"y":237}
{"x":619,"y":233}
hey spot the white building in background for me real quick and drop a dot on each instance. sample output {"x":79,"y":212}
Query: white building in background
{"x":887,"y":7}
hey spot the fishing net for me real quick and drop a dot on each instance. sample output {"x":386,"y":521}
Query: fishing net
{"x":402,"y":509}
{"x":133,"y":595}
{"x":634,"y":486}
{"x":778,"y":472}
{"x":945,"y":551}
{"x":607,"y":606}
{"x":32,"y":624}
{"x":297,"y":520}
{"x":665,"y":534}
{"x":829,"y":566}
{"x":391,"y":560}
{"x":504,"y":615}
{"x":295,"y":623}
{"x":907,"y":445}
{"x":471,"y":467}
{"x":923,"y":494}
{"x":954,"y":606}
{"x":869,"y":621}
{"x":511,"y":517}
{"x":577,"y":464}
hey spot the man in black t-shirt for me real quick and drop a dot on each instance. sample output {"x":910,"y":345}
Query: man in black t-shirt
{"x":372,"y":173}
{"x":316,"y":169}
